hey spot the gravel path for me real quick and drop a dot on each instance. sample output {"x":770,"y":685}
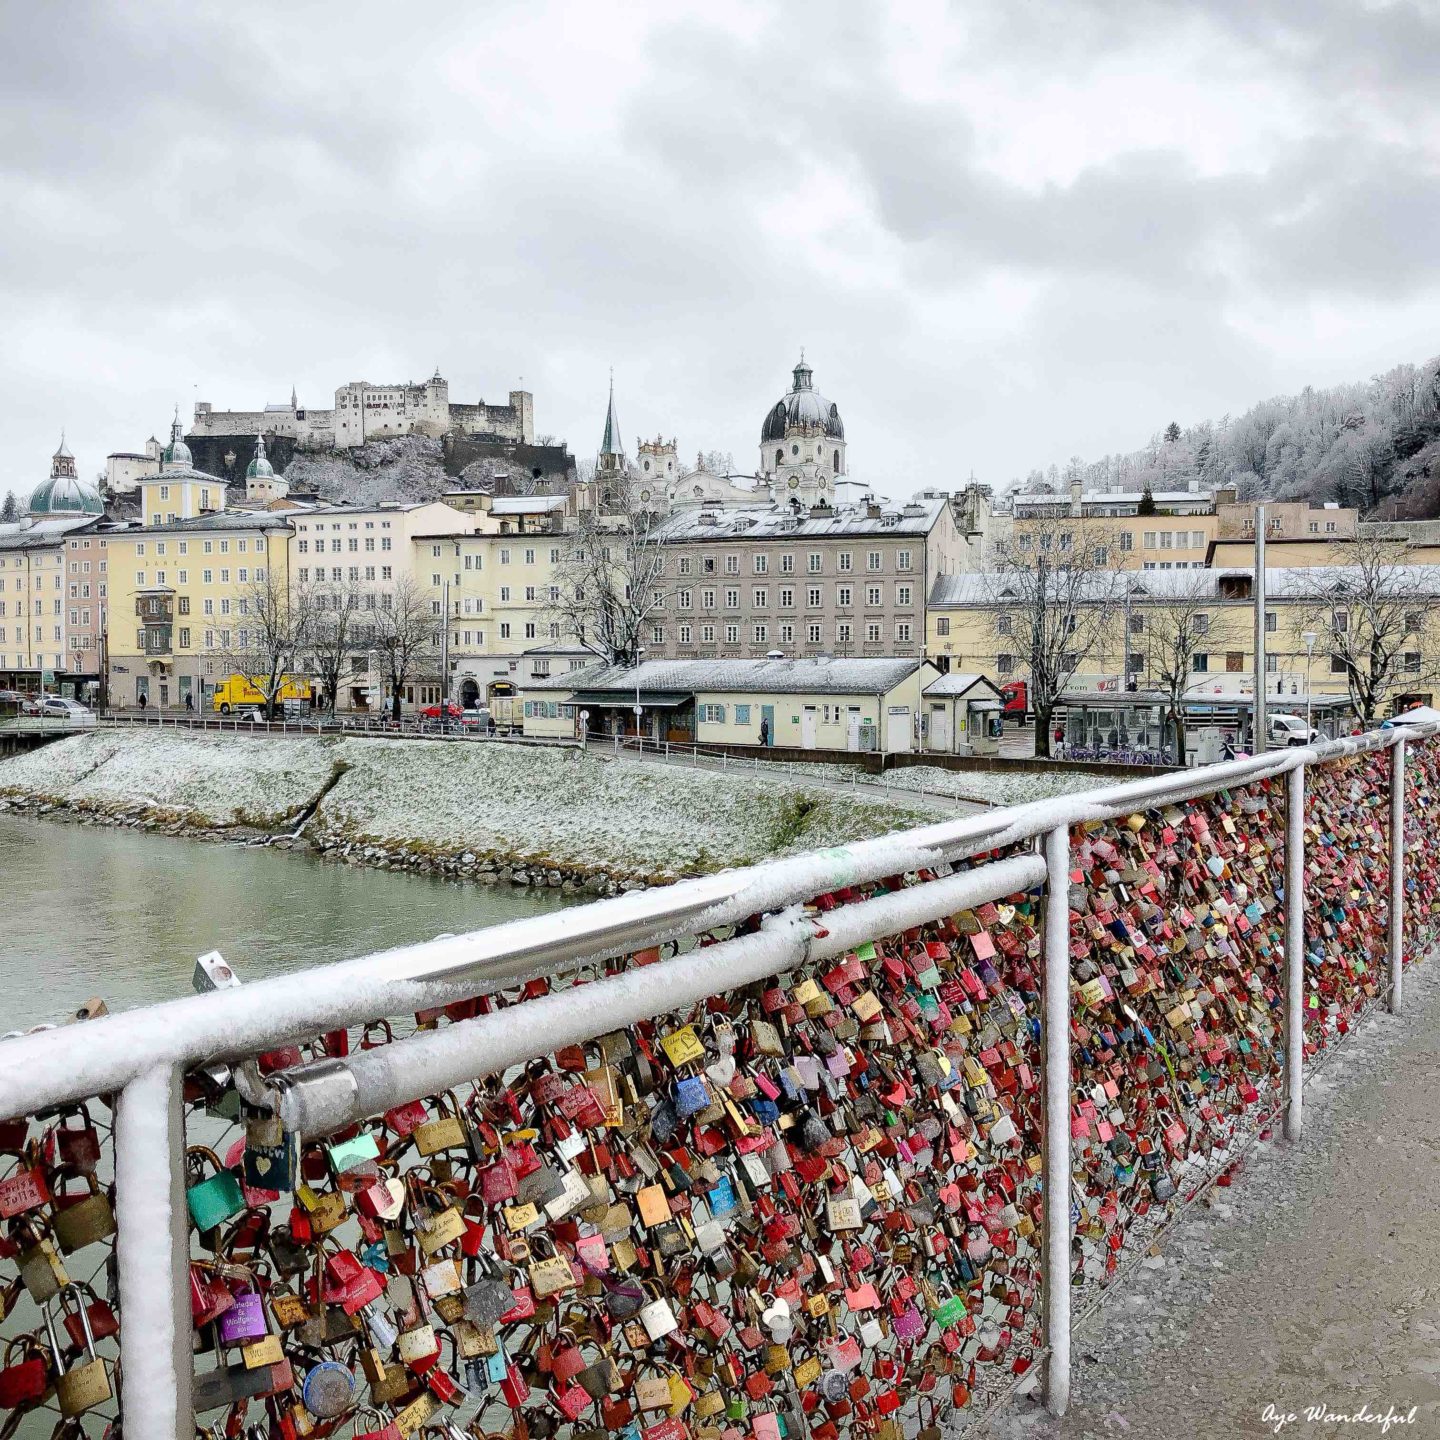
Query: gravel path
{"x":1313,"y":1281}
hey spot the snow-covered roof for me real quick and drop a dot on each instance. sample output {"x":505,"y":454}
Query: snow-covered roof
{"x":526,"y":504}
{"x":960,"y":684}
{"x":221,"y":520}
{"x":36,"y":534}
{"x":819,"y":676}
{"x":771,"y":522}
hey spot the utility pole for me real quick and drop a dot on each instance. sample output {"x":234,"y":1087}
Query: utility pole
{"x":445,"y":649}
{"x":1259,"y":735}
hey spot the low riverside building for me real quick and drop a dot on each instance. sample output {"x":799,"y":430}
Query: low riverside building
{"x":814,"y":704}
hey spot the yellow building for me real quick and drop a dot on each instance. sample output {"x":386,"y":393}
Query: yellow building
{"x":1176,"y":537}
{"x":179,"y":602}
{"x":1218,"y":607}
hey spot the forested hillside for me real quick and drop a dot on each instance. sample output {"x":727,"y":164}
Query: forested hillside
{"x":1374,"y":444}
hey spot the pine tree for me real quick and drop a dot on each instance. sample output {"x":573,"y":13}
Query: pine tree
{"x":1147,"y":502}
{"x":10,"y":510}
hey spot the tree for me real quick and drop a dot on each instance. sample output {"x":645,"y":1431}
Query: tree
{"x":610,"y":582}
{"x":1172,"y":433}
{"x":1374,"y":617}
{"x":1051,"y":599}
{"x":1147,"y":501}
{"x":718,"y":462}
{"x":340,"y":626}
{"x":407,"y":637}
{"x":1173,"y":626}
{"x":10,"y":510}
{"x":272,"y":625}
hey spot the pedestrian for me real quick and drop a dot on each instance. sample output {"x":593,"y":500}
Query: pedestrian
{"x":765,"y":732}
{"x":1059,"y":738}
{"x":140,"y":700}
{"x":189,"y":702}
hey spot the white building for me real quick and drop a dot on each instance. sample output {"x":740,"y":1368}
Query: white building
{"x":364,"y":412}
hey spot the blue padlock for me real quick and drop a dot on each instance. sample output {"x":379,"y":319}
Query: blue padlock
{"x":690,"y":1095}
{"x":328,"y":1389}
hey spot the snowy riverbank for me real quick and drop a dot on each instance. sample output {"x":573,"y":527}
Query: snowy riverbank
{"x":495,"y":811}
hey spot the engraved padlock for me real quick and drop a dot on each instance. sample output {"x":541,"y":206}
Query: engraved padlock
{"x":86,"y":1384}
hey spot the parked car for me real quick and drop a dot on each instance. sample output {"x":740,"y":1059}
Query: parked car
{"x":56,"y":707}
{"x":448,"y":711}
{"x":1291,"y":730}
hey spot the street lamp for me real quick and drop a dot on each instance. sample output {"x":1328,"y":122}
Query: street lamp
{"x":1309,"y":638}
{"x":639,"y":651}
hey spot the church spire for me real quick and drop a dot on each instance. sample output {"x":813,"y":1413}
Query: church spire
{"x":612,"y":447}
{"x":294,"y":404}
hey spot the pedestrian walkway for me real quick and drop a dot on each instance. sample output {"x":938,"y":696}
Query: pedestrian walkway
{"x":1313,"y":1281}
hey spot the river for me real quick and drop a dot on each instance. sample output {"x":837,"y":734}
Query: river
{"x":89,"y":910}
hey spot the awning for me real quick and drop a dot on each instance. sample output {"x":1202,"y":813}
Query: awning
{"x":625,"y":700}
{"x":988,"y":703}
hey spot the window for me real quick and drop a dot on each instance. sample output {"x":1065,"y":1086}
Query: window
{"x":1167,"y":540}
{"x":814,"y":597}
{"x":504,"y":627}
{"x":844,"y":632}
{"x":707,"y":599}
{"x":184,"y":604}
{"x":657,"y":634}
{"x":1200,"y":624}
{"x":813,"y":634}
{"x":787,"y":634}
{"x":1127,"y":541}
{"x":942,"y":625}
{"x":1337,"y":664}
{"x":1197,"y":539}
{"x":732,"y":564}
{"x":872,"y":631}
{"x":682,"y":599}
{"x":902,"y":560}
{"x":712,"y":714}
{"x":1004,"y":664}
{"x":872,"y":560}
{"x":1004,"y":624}
{"x":759,"y":634}
{"x":209,"y":607}
{"x":732,"y":599}
{"x":707,"y":564}
{"x":843,"y":596}
{"x":902,"y":630}
{"x":184,"y":637}
{"x":529,"y":557}
{"x":707,"y":634}
{"x":1272,"y":664}
{"x":684,"y":634}
{"x":842,"y":561}
{"x":1271,"y":620}
{"x":787,"y":564}
{"x":684,"y":566}
{"x":814,"y":562}
{"x":902,"y":595}
{"x":872,"y":596}
{"x":1412,"y":662}
{"x":1200,"y":662}
{"x":1234,"y":660}
{"x":787,"y":598}
{"x":1150,"y":539}
{"x":762,"y":564}
{"x":1137,"y":624}
{"x":732,"y":634}
{"x":1413,"y":622}
{"x":760,"y":598}
{"x":742,"y":714}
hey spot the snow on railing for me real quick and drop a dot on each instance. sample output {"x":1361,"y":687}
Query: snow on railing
{"x":882,"y":1109}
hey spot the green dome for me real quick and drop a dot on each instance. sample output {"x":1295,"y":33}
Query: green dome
{"x":66,"y":495}
{"x":259,"y":466}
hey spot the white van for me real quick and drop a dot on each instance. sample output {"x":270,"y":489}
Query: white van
{"x":1291,"y":730}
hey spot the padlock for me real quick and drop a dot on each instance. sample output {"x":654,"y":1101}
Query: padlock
{"x":25,"y":1380}
{"x":84,"y":1220}
{"x":87,"y":1383}
{"x":215,"y":1199}
{"x":41,"y":1269}
{"x":657,"y":1317}
{"x":74,"y":1149}
{"x":272,"y":1154}
{"x":328,"y":1389}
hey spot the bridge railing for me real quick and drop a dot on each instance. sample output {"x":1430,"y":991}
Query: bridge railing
{"x":840,"y":1141}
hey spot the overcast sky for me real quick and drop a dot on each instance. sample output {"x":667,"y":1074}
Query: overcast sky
{"x":1003,"y":232}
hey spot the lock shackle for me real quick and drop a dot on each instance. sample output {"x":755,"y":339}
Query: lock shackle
{"x":83,"y":1311}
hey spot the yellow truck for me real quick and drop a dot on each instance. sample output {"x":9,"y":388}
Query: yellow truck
{"x":240,"y":692}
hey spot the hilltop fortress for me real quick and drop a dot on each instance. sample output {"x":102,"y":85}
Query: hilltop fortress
{"x":363,"y":412}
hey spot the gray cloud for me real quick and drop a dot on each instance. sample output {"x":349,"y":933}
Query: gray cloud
{"x":215,"y":201}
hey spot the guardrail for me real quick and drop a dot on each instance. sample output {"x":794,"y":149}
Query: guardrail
{"x":882,"y":1111}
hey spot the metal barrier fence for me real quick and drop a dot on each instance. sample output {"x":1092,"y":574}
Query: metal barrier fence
{"x":825,"y":1146}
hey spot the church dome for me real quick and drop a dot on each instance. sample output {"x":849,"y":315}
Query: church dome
{"x":176,"y":455}
{"x":259,"y":466}
{"x":803,"y":406}
{"x":62,"y":495}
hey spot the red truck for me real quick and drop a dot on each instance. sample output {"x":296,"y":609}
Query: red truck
{"x":1017,"y":700}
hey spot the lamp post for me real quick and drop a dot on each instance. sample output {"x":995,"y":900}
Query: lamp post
{"x":1309,"y":638}
{"x":639,"y":652}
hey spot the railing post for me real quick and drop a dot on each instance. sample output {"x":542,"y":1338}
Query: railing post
{"x":1055,"y":1176}
{"x":1294,"y":950}
{"x":153,"y":1254}
{"x":1397,"y":875}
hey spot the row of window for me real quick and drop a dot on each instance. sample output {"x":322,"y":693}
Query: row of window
{"x":341,"y":572}
{"x":814,"y":563}
{"x":20,"y":633}
{"x":761,"y":634}
{"x":20,"y":607}
{"x":531,"y":630}
{"x":814,"y":597}
{"x":208,"y":545}
{"x":352,"y":545}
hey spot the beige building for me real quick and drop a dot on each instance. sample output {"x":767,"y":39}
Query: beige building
{"x":815,"y":704}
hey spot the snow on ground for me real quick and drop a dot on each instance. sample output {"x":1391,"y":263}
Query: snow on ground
{"x":996,"y":787}
{"x":583,"y":811}
{"x":200,"y":779}
{"x":558,"y":807}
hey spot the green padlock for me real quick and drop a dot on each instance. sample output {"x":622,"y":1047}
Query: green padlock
{"x":735,"y":1408}
{"x":949,"y":1311}
{"x":350,"y":1153}
{"x":217,"y":1199}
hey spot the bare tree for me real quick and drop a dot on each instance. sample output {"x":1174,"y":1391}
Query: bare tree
{"x":1375,"y":620}
{"x":340,"y":627}
{"x":271,"y":626}
{"x":1050,"y":602}
{"x":1173,"y":626}
{"x":610,"y":583}
{"x":407,"y":637}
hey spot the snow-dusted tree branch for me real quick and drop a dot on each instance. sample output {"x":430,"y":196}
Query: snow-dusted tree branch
{"x":611,"y":583}
{"x":271,"y":626}
{"x":1172,"y":627}
{"x":1051,"y":606}
{"x":341,"y":626}
{"x":407,"y":638}
{"x":1374,"y":619}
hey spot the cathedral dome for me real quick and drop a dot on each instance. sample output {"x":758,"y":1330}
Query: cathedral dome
{"x":803,"y":406}
{"x":62,"y":495}
{"x":176,"y":455}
